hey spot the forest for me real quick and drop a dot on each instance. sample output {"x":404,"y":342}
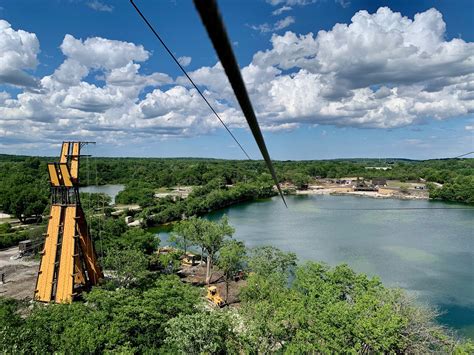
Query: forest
{"x":24,"y":184}
{"x":285,"y":306}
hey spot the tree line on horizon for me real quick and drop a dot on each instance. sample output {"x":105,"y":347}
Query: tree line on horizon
{"x":24,"y":186}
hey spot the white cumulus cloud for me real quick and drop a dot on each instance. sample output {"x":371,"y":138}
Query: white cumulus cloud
{"x":381,"y":70}
{"x":18,"y":52}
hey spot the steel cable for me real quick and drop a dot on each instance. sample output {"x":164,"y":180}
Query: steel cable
{"x":189,"y":78}
{"x":214,"y":25}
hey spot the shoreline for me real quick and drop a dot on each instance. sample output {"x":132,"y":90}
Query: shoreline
{"x":371,"y":194}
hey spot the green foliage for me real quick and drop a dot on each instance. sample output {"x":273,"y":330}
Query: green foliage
{"x":201,"y":333}
{"x":188,"y":232}
{"x":137,"y":238}
{"x":404,"y":189}
{"x":299,"y":179}
{"x":123,"y":320}
{"x":110,"y":233}
{"x":231,"y":261}
{"x":323,"y":310}
{"x":136,"y":192}
{"x":11,"y":239}
{"x":268,"y":260}
{"x":205,"y":199}
{"x":23,"y":187}
{"x":166,"y":263}
{"x":5,"y":228}
{"x":11,"y":236}
{"x":94,"y":201}
{"x":10,"y":323}
{"x":460,"y":189}
{"x":130,"y":266}
{"x":207,"y":235}
{"x":335,"y":311}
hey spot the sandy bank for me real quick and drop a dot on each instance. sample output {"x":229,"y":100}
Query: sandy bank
{"x":373,"y":194}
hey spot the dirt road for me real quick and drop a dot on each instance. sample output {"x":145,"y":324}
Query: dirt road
{"x":20,"y":275}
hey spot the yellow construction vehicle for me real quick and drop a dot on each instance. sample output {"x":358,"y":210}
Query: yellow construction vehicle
{"x":190,"y":259}
{"x":214,"y":297}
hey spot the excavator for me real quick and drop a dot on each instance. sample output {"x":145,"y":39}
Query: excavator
{"x":214,"y":297}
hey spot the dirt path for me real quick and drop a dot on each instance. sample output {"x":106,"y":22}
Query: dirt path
{"x":20,"y":275}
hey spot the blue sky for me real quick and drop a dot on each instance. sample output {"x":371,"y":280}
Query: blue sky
{"x":393,"y":79}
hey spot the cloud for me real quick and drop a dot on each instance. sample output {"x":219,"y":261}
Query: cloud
{"x":284,"y":23}
{"x":104,"y":53}
{"x":469,"y":128}
{"x":344,"y":3}
{"x":18,"y":53}
{"x":184,"y":61}
{"x":281,"y":10}
{"x":279,"y":25}
{"x":99,"y":6}
{"x":291,"y":2}
{"x":381,"y":70}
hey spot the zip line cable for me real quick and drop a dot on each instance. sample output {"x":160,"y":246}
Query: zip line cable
{"x":212,"y":20}
{"x":398,"y":209}
{"x":100,"y":217}
{"x":463,"y":155}
{"x":189,"y":78}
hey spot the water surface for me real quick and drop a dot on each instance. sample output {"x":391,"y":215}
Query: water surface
{"x":109,"y":190}
{"x":425,"y":247}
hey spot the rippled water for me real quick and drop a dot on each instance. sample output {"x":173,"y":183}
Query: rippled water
{"x":428,"y":252}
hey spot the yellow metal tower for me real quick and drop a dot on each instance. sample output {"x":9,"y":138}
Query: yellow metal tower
{"x":68,"y":260}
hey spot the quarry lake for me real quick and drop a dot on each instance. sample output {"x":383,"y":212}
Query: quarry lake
{"x":110,"y":190}
{"x":424,"y":247}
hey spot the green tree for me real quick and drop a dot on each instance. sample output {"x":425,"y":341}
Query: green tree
{"x":201,"y":333}
{"x":137,"y":238}
{"x":213,"y":240}
{"x":267,"y":260}
{"x":130,"y":266}
{"x":10,"y":326}
{"x":138,"y":319}
{"x":335,"y":310}
{"x":27,"y":203}
{"x":186,"y":233}
{"x":231,"y":261}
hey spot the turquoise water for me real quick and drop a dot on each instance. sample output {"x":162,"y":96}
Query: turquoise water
{"x":110,"y":190}
{"x":428,"y":252}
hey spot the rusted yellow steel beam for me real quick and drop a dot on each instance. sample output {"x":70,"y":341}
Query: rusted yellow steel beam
{"x":53,"y":175}
{"x":79,"y":276}
{"x":88,"y":251}
{"x":66,"y":264}
{"x":76,"y":150}
{"x":64,"y":152}
{"x":44,"y":283}
{"x":65,"y":175}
